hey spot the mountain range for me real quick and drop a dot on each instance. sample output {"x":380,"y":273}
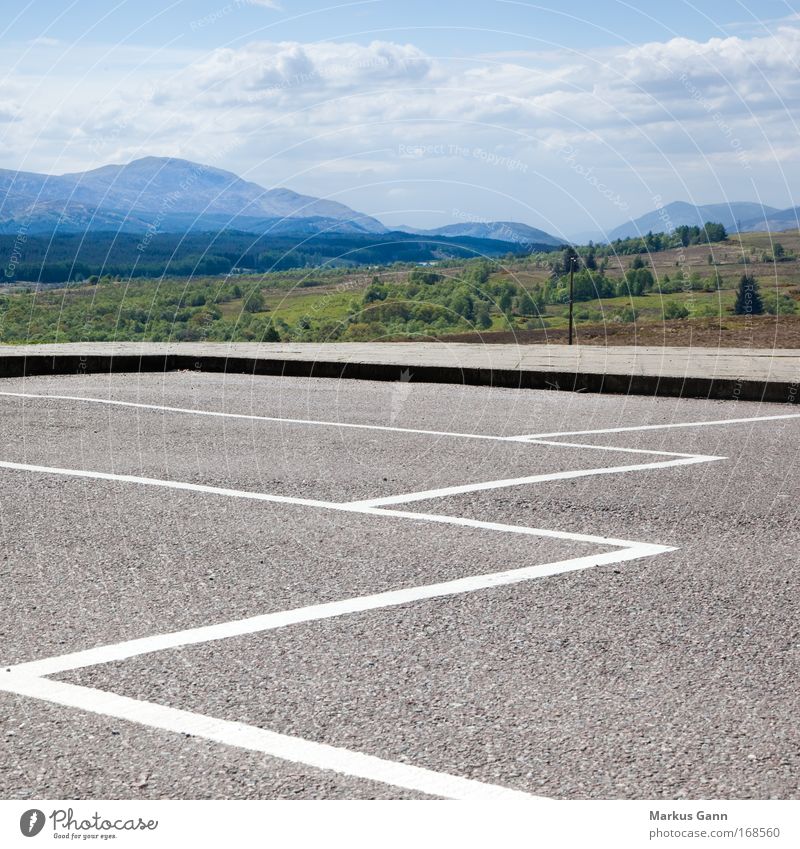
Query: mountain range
{"x":169,"y":195}
{"x":501,"y":231}
{"x":736,"y":216}
{"x":177,"y":196}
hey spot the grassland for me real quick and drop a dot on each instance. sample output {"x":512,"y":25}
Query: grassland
{"x":517,"y":299}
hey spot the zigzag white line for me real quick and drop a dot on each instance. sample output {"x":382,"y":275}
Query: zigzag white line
{"x":26,"y":678}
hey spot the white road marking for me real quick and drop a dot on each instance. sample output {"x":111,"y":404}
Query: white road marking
{"x":539,"y":436}
{"x":328,"y":610}
{"x":21,"y":679}
{"x":31,"y":682}
{"x":531,"y":479}
{"x":167,"y":484}
{"x":322,"y":423}
{"x":497,"y":526}
{"x":252,"y":417}
{"x":288,"y":748}
{"x":610,"y":448}
{"x":343,"y":506}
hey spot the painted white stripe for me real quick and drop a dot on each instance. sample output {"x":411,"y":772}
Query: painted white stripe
{"x":539,"y":436}
{"x":615,"y":448}
{"x":345,"y":506}
{"x":322,"y":423}
{"x":463,"y":521}
{"x":167,"y":484}
{"x":295,"y":749}
{"x":252,"y":417}
{"x":288,"y":748}
{"x":531,"y":479}
{"x":312,"y":613}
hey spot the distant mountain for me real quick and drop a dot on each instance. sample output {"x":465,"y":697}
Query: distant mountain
{"x":785,"y":219}
{"x":737,"y":215}
{"x":502,"y":231}
{"x":167,"y":194}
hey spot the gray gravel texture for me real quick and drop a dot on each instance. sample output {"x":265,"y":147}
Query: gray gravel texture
{"x":585,"y":685}
{"x":317,"y":462}
{"x":674,"y":676}
{"x":52,"y":752}
{"x":90,"y":563}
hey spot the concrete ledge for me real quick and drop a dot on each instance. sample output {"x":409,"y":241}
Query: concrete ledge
{"x":441,"y":365}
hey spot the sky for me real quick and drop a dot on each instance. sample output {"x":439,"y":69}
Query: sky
{"x":572,"y":117}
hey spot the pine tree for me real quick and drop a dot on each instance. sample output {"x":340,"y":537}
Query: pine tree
{"x":569,"y":258}
{"x":748,"y":299}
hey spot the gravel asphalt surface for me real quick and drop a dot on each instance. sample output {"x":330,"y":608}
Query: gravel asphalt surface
{"x":669,"y":676}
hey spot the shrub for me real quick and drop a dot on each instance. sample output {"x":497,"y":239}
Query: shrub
{"x":482,"y":318}
{"x":704,"y":310}
{"x":674,"y":310}
{"x":426,"y":277}
{"x":254,"y":301}
{"x":271,"y":334}
{"x":779,"y":303}
{"x":526,"y":305}
{"x":626,"y":315}
{"x":375,"y":292}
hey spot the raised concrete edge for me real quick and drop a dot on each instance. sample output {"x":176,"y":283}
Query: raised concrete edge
{"x":29,"y":365}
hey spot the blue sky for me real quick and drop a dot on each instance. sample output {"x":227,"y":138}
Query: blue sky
{"x":448,"y":28}
{"x":571,"y":118}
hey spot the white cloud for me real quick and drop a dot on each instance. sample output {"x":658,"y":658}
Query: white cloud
{"x":264,"y":70}
{"x":44,"y":41}
{"x":337,"y":111}
{"x":9,"y":111}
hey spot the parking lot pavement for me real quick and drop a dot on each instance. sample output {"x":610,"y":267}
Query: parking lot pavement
{"x":581,"y":615}
{"x":51,"y":752}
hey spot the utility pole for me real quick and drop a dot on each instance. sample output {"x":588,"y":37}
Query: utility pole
{"x":572,"y":260}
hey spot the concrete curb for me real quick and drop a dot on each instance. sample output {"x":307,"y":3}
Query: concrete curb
{"x":625,"y":384}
